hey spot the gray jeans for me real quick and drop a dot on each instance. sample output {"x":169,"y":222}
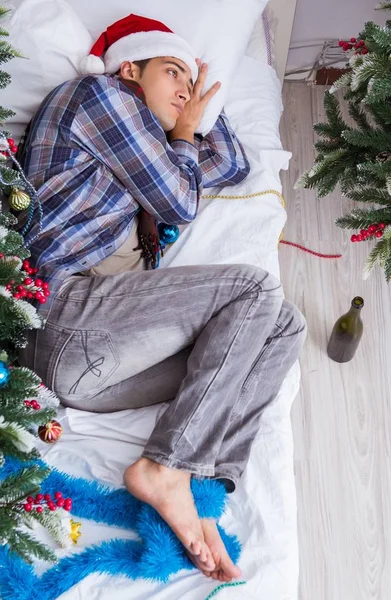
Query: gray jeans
{"x":215,"y":340}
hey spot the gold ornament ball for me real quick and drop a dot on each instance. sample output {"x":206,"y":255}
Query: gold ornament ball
{"x":18,"y":199}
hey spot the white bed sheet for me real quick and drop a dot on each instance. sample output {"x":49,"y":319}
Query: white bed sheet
{"x":262,"y":511}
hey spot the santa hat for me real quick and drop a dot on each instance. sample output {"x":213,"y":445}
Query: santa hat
{"x":136,"y":38}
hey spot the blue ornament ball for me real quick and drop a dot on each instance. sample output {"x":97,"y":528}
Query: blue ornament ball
{"x":4,"y":373}
{"x":168,"y":233}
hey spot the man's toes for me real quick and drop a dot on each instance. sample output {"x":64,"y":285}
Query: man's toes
{"x":229,"y":568}
{"x":195,"y":547}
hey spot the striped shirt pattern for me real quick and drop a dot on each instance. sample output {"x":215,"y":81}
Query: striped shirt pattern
{"x":96,"y":155}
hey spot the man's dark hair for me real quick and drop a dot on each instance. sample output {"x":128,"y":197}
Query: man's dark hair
{"x":142,"y":64}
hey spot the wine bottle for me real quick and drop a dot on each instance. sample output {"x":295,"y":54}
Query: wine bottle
{"x":347,"y":333}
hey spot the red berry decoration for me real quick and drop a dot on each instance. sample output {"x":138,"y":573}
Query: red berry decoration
{"x":38,"y":497}
{"x":38,"y":282}
{"x":378,"y":234}
{"x":28,"y":281}
{"x":58,"y":495}
{"x":30,"y":499}
{"x":382,"y":225}
{"x":39,"y":509}
{"x":60,"y":502}
{"x":359,"y":237}
{"x":353,"y":238}
{"x":52,"y":507}
{"x":28,"y":507}
{"x":50,"y":432}
{"x":47,"y":497}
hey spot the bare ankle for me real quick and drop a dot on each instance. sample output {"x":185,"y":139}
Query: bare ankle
{"x":146,"y":465}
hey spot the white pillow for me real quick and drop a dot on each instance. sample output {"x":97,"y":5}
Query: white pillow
{"x":53,"y":39}
{"x":218,"y":31}
{"x":262,"y":42}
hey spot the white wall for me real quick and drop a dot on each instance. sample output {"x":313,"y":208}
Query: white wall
{"x":318,"y":20}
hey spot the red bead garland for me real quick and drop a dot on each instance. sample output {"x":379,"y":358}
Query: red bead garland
{"x":374,"y":230}
{"x":40,"y":501}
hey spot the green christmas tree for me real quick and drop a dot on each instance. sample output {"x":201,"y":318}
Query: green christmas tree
{"x":358,"y":158}
{"x":8,"y":176}
{"x":25,"y":403}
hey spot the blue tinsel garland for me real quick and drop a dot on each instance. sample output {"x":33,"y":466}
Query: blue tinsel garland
{"x":156,"y":557}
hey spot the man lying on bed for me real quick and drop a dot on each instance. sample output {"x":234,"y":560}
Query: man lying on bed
{"x":215,"y":340}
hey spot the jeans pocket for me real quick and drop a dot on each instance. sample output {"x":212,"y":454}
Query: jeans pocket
{"x":82,"y":363}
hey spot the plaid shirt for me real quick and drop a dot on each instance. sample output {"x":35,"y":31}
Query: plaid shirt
{"x":96,"y":155}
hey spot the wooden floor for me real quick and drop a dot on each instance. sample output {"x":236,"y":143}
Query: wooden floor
{"x":342,"y":416}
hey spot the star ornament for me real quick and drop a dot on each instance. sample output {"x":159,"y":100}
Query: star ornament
{"x":75,"y":531}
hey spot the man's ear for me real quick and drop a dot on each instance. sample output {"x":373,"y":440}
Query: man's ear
{"x":129,"y":70}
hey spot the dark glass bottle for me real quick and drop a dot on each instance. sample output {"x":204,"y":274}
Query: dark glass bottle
{"x":346,"y":334}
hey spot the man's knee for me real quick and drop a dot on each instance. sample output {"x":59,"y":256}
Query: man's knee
{"x":262,"y":280}
{"x":292,"y":320}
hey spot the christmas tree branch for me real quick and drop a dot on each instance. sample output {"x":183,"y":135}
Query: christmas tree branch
{"x":362,"y":218}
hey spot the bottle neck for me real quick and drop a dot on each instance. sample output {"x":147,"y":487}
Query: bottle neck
{"x":357,"y":304}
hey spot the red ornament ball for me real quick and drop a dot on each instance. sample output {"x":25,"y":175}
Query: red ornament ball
{"x":382,"y":225}
{"x":353,"y":238}
{"x":50,"y":432}
{"x":28,"y":507}
{"x":47,"y":497}
{"x":378,"y":234}
{"x":38,"y":497}
{"x":39,"y":509}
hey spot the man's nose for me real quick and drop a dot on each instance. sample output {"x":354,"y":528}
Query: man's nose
{"x":183,"y":94}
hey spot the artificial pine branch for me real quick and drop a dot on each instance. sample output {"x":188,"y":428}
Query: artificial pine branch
{"x":361,"y":218}
{"x":26,"y":546}
{"x":17,"y":486}
{"x":372,"y":195}
{"x":381,"y":254}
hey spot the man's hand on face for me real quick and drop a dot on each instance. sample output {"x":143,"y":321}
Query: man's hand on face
{"x":194,"y":108}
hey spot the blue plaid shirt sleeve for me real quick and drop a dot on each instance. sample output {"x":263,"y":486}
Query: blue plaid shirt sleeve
{"x":222,"y":158}
{"x":125,"y":135}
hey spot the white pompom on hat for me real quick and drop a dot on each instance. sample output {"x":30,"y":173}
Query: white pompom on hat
{"x":136,"y":38}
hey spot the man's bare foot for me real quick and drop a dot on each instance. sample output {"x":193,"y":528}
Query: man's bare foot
{"x":168,"y":492}
{"x":225,"y":569}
